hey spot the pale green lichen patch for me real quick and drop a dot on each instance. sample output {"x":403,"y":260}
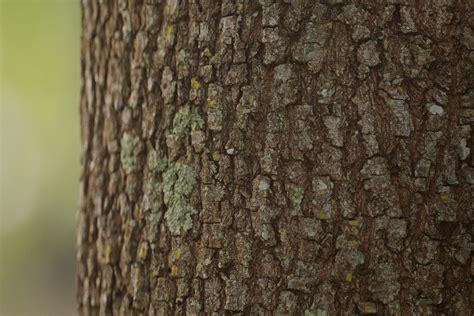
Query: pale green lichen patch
{"x":296,"y":195}
{"x":128,"y":155}
{"x":154,"y":217}
{"x":153,"y":188}
{"x":179,"y":181}
{"x":184,"y":121}
{"x":316,"y":312}
{"x":157,"y":165}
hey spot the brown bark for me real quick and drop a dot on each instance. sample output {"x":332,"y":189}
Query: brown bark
{"x":281,"y":157}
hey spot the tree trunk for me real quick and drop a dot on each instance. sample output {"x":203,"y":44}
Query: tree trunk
{"x":290,"y":157}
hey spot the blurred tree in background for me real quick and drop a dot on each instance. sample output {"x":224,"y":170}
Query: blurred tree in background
{"x":39,"y":155}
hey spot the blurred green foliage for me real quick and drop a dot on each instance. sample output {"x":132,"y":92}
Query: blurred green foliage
{"x":40,"y":148}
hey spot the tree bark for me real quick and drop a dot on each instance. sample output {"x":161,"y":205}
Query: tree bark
{"x":287,"y":157}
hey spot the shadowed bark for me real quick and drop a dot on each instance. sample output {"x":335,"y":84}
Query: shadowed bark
{"x":287,"y":157}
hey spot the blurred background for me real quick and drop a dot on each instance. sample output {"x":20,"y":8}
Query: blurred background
{"x":39,"y":91}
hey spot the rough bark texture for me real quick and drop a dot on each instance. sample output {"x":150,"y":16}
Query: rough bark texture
{"x":291,"y":157}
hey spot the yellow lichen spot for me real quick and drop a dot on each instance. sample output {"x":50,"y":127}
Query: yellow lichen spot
{"x":354,"y":222}
{"x":206,"y":53}
{"x":211,"y":103}
{"x":105,"y":257}
{"x":349,"y":277}
{"x":143,"y":251}
{"x":246,"y":110}
{"x":216,"y":156}
{"x":177,"y":254}
{"x":353,"y":243}
{"x":355,"y":226}
{"x":367,"y":308}
{"x":195,"y":84}
{"x":174,"y":271}
{"x":444,"y":197}
{"x":169,"y":31}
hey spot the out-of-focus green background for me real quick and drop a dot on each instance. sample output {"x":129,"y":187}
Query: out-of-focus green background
{"x":40,"y":148}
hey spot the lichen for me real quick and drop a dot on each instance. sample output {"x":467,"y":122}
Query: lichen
{"x":435,"y":109}
{"x":310,"y":228}
{"x":153,"y":188}
{"x":161,"y":165}
{"x":169,"y":31}
{"x":128,"y":155}
{"x":316,"y":312}
{"x":367,"y":307}
{"x":206,"y":53}
{"x":463,"y":149}
{"x":261,"y":185}
{"x":178,"y":183}
{"x":195,"y":84}
{"x":143,"y":250}
{"x":155,"y":164}
{"x":296,"y":195}
{"x":184,"y":121}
